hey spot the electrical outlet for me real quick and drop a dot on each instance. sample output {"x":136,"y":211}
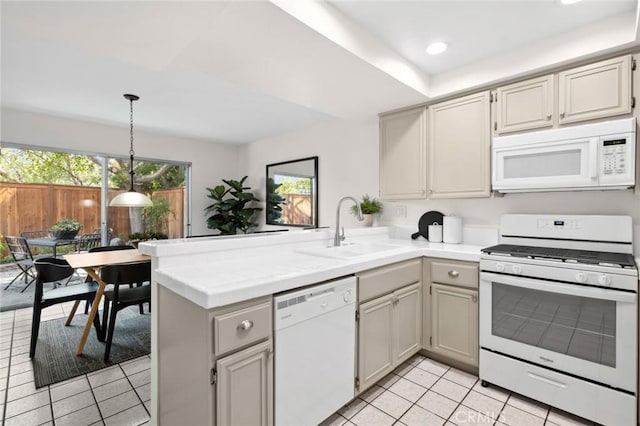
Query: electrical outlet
{"x":400,"y":211}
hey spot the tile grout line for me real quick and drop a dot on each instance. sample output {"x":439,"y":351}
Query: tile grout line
{"x":121,"y":411}
{"x":94,"y":398}
{"x":53,"y":420}
{"x":134,"y":390}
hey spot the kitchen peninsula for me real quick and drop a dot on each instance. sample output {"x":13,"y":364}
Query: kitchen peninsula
{"x":212,"y":311}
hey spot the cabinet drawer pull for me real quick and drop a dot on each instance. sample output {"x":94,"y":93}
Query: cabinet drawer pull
{"x":245,"y":325}
{"x":562,"y":115}
{"x":454,"y":274}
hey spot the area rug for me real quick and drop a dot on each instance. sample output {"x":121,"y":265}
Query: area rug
{"x":55,"y":359}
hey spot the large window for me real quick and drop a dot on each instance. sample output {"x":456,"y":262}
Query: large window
{"x":39,"y":187}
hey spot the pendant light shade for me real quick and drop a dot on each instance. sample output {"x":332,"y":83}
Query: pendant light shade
{"x":131,"y":198}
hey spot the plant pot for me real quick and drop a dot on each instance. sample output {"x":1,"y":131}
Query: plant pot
{"x":64,"y":235}
{"x":368,"y":219}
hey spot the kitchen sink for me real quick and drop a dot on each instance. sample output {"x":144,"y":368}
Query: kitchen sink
{"x":350,"y":251}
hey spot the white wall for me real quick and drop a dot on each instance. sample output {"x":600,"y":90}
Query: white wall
{"x":347,"y":162}
{"x":210,"y":161}
{"x":487,"y":211}
{"x":348,"y":165}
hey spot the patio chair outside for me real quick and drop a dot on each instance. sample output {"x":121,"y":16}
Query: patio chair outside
{"x":88,"y":241}
{"x":22,"y":258}
{"x":109,"y":233}
{"x":43,"y":233}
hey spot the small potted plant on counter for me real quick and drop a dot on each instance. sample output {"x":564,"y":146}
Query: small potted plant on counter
{"x":65,"y":229}
{"x":369,"y":207}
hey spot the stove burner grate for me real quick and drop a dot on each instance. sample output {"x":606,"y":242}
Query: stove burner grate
{"x":621,"y":260}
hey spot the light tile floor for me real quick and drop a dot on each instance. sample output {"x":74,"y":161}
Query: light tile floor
{"x":420,"y":392}
{"x":117,"y":395}
{"x":423,"y":392}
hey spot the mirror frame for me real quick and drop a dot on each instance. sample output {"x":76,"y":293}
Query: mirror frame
{"x":314,"y":195}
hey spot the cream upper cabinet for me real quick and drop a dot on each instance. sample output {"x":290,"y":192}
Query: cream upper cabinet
{"x":525,"y":105}
{"x":596,"y":90}
{"x":403,"y":161}
{"x":459,"y":148}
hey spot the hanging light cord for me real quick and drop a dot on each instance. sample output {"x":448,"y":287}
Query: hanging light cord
{"x":131,"y":172}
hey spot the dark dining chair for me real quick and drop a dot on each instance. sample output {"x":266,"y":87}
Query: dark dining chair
{"x":123,"y":295}
{"x":53,"y":269}
{"x":22,"y":258}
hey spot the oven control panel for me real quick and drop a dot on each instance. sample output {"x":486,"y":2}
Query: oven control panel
{"x":561,"y":272}
{"x":559,"y":224}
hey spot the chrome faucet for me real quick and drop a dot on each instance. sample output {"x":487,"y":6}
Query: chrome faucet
{"x":338,"y":238}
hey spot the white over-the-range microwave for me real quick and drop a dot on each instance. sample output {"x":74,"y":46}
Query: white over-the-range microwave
{"x":591,"y":156}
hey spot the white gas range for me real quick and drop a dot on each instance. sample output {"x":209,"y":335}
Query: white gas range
{"x":559,"y":313}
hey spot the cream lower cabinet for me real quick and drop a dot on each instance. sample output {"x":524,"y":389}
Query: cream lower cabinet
{"x":215,"y":366}
{"x":459,"y":148}
{"x":451,"y":326}
{"x":244,"y":387}
{"x":390,"y":322}
{"x":454,"y":322}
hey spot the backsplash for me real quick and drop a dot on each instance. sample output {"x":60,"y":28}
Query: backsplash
{"x":487,"y":211}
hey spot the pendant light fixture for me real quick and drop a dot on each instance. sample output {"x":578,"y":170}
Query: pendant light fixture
{"x":131,"y":198}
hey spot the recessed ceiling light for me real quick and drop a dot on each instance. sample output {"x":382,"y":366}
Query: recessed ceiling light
{"x":436,"y":48}
{"x":569,"y":1}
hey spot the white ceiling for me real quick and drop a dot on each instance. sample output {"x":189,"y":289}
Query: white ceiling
{"x":240,"y":71}
{"x":473,"y":29}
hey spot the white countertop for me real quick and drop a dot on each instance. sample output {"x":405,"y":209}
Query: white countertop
{"x":214,"y":272}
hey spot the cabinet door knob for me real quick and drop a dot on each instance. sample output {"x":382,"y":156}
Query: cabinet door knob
{"x":548,"y":116}
{"x":474,"y":298}
{"x":454,"y":274}
{"x":245,"y":325}
{"x":562,"y":115}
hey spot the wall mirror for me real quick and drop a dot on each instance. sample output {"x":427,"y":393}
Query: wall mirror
{"x":292,"y":193}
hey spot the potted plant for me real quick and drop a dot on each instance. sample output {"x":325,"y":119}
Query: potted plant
{"x":274,"y":202}
{"x":65,"y":229}
{"x":233,"y":208}
{"x":369,"y":207}
{"x":138,"y":237}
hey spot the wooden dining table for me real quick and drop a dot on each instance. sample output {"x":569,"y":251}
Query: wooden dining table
{"x":92,"y":262}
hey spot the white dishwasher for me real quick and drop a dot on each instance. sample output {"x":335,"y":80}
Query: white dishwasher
{"x":315,"y":337}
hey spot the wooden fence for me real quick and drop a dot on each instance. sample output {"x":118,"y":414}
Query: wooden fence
{"x":297,"y":209}
{"x":29,"y":207}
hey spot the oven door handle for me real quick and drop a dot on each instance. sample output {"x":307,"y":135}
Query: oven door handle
{"x":554,"y":287}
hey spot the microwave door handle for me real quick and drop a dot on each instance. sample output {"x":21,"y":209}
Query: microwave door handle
{"x":593,"y":154}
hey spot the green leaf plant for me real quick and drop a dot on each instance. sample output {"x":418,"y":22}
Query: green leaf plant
{"x":368,"y":205}
{"x":274,"y":202}
{"x":233,"y":207}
